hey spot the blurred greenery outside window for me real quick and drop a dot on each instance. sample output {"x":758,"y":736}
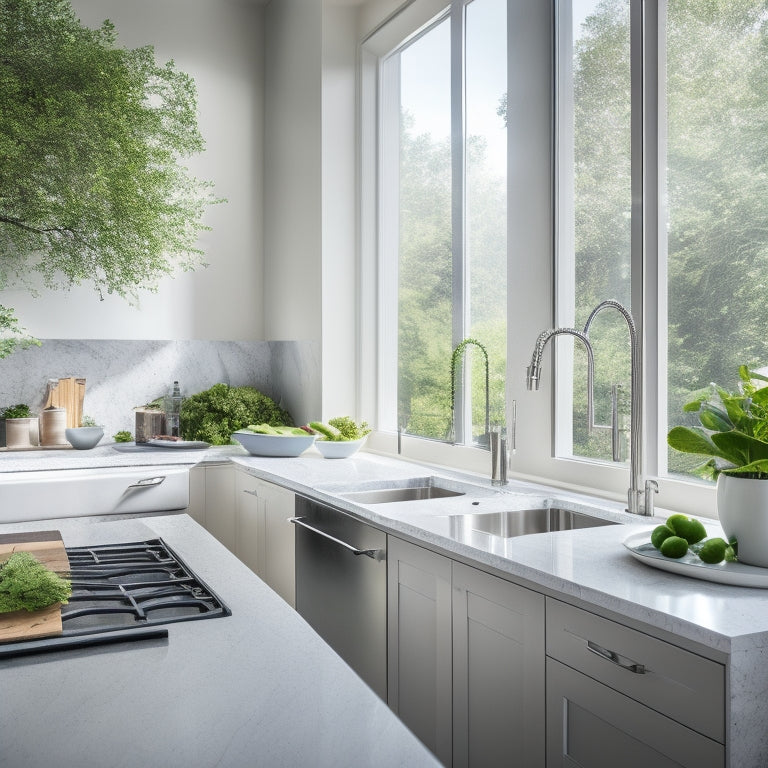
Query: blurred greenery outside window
{"x":443,"y":219}
{"x":710,"y":144}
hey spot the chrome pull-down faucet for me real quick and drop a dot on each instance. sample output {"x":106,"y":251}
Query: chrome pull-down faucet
{"x":639,"y":500}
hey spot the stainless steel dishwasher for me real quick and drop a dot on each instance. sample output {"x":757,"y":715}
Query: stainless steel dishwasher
{"x":341,"y":586}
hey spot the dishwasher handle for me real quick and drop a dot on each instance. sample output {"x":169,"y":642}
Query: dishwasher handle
{"x":375,"y":554}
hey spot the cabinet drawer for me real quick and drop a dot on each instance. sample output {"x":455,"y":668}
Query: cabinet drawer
{"x":682,"y":685}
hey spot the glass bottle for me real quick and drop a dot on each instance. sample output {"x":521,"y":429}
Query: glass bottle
{"x":173,"y":409}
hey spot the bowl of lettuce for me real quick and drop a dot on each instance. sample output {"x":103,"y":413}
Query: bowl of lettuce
{"x":266,"y":440}
{"x":339,"y":438}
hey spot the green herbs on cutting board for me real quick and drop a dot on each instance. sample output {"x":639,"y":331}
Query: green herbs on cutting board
{"x":26,"y":584}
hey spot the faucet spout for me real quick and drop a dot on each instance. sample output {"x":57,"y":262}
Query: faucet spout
{"x":534,"y":369}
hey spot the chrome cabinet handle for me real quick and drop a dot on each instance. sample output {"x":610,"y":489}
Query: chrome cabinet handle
{"x":615,"y":658}
{"x":375,"y":554}
{"x":148,"y":482}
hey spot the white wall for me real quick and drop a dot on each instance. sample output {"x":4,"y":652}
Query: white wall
{"x":340,"y":342}
{"x":220,"y":44}
{"x":292,"y":170}
{"x":311,"y":189}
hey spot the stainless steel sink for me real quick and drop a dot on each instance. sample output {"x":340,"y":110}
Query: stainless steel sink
{"x":410,"y":493}
{"x":520,"y":522}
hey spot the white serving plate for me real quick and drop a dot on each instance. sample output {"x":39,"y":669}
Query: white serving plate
{"x":736,"y":574}
{"x":179,"y":444}
{"x":286,"y":446}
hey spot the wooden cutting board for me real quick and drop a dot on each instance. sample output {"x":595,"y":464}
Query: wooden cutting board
{"x":48,"y":548}
{"x":67,"y":393}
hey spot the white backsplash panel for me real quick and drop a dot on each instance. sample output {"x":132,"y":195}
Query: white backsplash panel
{"x":121,"y":375}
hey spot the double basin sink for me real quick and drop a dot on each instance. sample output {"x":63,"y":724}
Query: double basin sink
{"x":501,"y":523}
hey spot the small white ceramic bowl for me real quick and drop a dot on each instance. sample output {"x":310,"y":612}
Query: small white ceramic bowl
{"x":273,"y":445}
{"x":83,"y":438}
{"x":339,"y":449}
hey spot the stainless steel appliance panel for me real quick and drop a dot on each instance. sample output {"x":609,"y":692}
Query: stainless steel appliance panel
{"x":341,"y":587}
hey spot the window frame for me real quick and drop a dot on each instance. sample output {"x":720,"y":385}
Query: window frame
{"x":532,"y":287}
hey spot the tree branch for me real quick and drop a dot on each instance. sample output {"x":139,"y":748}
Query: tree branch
{"x":38,"y":230}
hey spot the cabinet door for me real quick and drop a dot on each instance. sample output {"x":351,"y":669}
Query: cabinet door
{"x":593,"y":726}
{"x":249,"y":512}
{"x":419,"y":647}
{"x":196,"y":508}
{"x":220,"y":504}
{"x":279,"y":561}
{"x":498,"y":672}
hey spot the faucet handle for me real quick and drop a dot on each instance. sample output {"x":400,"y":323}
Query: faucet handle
{"x":651,"y":487}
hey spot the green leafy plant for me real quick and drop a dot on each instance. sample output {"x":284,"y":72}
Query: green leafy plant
{"x":20,"y":411}
{"x":214,"y":414}
{"x":88,"y":421}
{"x":26,"y":584}
{"x":92,"y":139}
{"x":340,"y":429}
{"x":123,"y":436}
{"x":733,"y":431}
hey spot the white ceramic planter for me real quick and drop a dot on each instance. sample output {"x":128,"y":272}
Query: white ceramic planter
{"x":19,"y":432}
{"x":742,"y":506}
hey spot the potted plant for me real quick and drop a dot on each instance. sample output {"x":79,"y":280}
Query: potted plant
{"x":733,"y":435}
{"x":86,"y":436}
{"x":21,"y":427}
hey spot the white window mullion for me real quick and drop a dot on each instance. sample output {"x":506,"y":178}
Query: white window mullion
{"x":463,"y":404}
{"x":657,"y":292}
{"x":645,"y":215}
{"x":389,"y":237}
{"x":565,"y":236}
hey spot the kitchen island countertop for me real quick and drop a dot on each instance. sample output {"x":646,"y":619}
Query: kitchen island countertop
{"x":257,"y":688}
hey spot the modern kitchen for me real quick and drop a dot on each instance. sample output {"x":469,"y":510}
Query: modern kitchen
{"x":393,"y":474}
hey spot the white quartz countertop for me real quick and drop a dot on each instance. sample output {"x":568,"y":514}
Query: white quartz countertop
{"x":257,"y":688}
{"x":110,"y":455}
{"x":590,"y":565}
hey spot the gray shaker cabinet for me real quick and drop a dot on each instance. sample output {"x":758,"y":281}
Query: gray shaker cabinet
{"x":466,"y":660}
{"x":249,"y":516}
{"x":264,"y":537}
{"x":498,"y":672}
{"x":616,"y":696}
{"x":419,"y":675}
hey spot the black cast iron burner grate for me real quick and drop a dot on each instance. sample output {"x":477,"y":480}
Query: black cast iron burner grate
{"x":121,"y":587}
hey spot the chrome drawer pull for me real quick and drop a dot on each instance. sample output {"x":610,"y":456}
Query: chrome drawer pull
{"x":375,"y":554}
{"x":615,"y":658}
{"x":148,"y":482}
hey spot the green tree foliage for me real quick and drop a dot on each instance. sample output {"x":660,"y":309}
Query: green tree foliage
{"x":716,"y":134}
{"x":92,"y":188}
{"x":426,"y":279}
{"x":718,"y":192}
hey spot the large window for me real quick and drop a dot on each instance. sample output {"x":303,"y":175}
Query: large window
{"x":443,"y":251}
{"x":669,"y":113}
{"x":637,"y":171}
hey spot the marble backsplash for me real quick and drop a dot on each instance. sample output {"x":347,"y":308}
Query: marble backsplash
{"x":121,"y":375}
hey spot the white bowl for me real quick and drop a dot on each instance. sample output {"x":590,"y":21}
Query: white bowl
{"x":83,"y":438}
{"x":273,"y":445}
{"x":338,"y":449}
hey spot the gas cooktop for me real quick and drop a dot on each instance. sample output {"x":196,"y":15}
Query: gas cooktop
{"x":124,"y":592}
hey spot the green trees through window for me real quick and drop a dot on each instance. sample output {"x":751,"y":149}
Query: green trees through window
{"x":451,"y":220}
{"x":713,"y":138}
